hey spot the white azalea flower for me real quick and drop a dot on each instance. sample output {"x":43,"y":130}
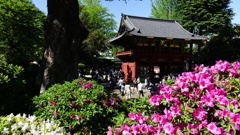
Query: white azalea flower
{"x":14,"y":127}
{"x":9,"y":119}
{"x":33,"y":126}
{"x":20,"y":123}
{"x":25,"y":127}
{"x":24,"y":115}
{"x":11,"y":115}
{"x":31,"y":118}
{"x":5,"y":131}
{"x":29,"y":125}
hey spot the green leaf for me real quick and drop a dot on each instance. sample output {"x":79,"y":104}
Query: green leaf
{"x":236,"y":110}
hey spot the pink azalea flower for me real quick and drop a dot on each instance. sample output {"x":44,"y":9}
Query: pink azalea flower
{"x":235,"y":120}
{"x":124,"y":132}
{"x":194,"y":77}
{"x":73,"y":104}
{"x":145,"y":128}
{"x":175,"y":110}
{"x":212,"y":127}
{"x":80,"y":82}
{"x":232,"y":71}
{"x":218,"y":113}
{"x":221,"y":91}
{"x":54,"y":103}
{"x":141,"y":119}
{"x":136,"y":129}
{"x":208,"y":100}
{"x":234,"y":102}
{"x":88,"y":85}
{"x":151,"y":129}
{"x":55,"y":114}
{"x":111,"y":102}
{"x":132,"y":116}
{"x":159,"y":118}
{"x":204,"y":123}
{"x":168,"y":128}
{"x":84,"y":129}
{"x":194,"y":131}
{"x":118,"y":131}
{"x":206,"y":84}
{"x":109,"y":131}
{"x":168,"y":97}
{"x":225,"y":113}
{"x":88,"y":100}
{"x":199,"y":114}
{"x":72,"y":116}
{"x":155,"y":100}
{"x":166,"y":89}
{"x":223,"y":100}
{"x":125,"y":127}
{"x":194,"y":128}
{"x":168,"y":114}
{"x":78,"y":117}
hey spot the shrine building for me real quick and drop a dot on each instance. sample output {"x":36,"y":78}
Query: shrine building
{"x":153,"y":47}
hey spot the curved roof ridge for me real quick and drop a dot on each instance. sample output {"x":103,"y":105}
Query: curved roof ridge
{"x":148,"y":18}
{"x":128,"y":23}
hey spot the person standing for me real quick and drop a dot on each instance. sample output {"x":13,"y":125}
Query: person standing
{"x":120,"y":82}
{"x":147,"y":82}
{"x":128,"y":90}
{"x":135,"y":83}
{"x":122,"y":89}
{"x":140,"y":89}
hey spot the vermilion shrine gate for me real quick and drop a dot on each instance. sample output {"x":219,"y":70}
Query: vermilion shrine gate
{"x":153,"y":47}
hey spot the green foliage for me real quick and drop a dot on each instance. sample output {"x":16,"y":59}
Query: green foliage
{"x":21,"y":42}
{"x":117,"y":49}
{"x":21,"y":26}
{"x":205,"y":17}
{"x":8,"y":71}
{"x":96,"y":17}
{"x":81,"y":107}
{"x":28,"y":125}
{"x":100,"y":25}
{"x":96,"y":42}
{"x":165,"y":9}
{"x":224,"y":46}
{"x":133,"y":105}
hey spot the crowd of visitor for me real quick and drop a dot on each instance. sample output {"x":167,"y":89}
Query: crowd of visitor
{"x":113,"y":76}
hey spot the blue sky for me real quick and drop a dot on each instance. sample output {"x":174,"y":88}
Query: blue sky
{"x":136,"y":8}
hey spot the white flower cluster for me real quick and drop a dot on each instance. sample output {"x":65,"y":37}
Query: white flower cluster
{"x":14,"y":125}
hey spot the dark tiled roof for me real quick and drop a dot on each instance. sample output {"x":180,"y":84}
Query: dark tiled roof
{"x":158,"y":28}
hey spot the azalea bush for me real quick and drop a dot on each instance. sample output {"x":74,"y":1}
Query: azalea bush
{"x":82,"y":107}
{"x":29,"y":125}
{"x":205,"y":101}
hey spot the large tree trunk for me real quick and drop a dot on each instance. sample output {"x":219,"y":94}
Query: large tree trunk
{"x":64,"y":35}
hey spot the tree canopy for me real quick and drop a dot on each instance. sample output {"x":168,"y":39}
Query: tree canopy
{"x":96,"y":17}
{"x":21,"y":26}
{"x":205,"y":17}
{"x":223,"y":46}
{"x":21,"y":42}
{"x":101,"y":26}
{"x":165,"y":9}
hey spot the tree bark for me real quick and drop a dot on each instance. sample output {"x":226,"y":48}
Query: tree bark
{"x":64,"y":33}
